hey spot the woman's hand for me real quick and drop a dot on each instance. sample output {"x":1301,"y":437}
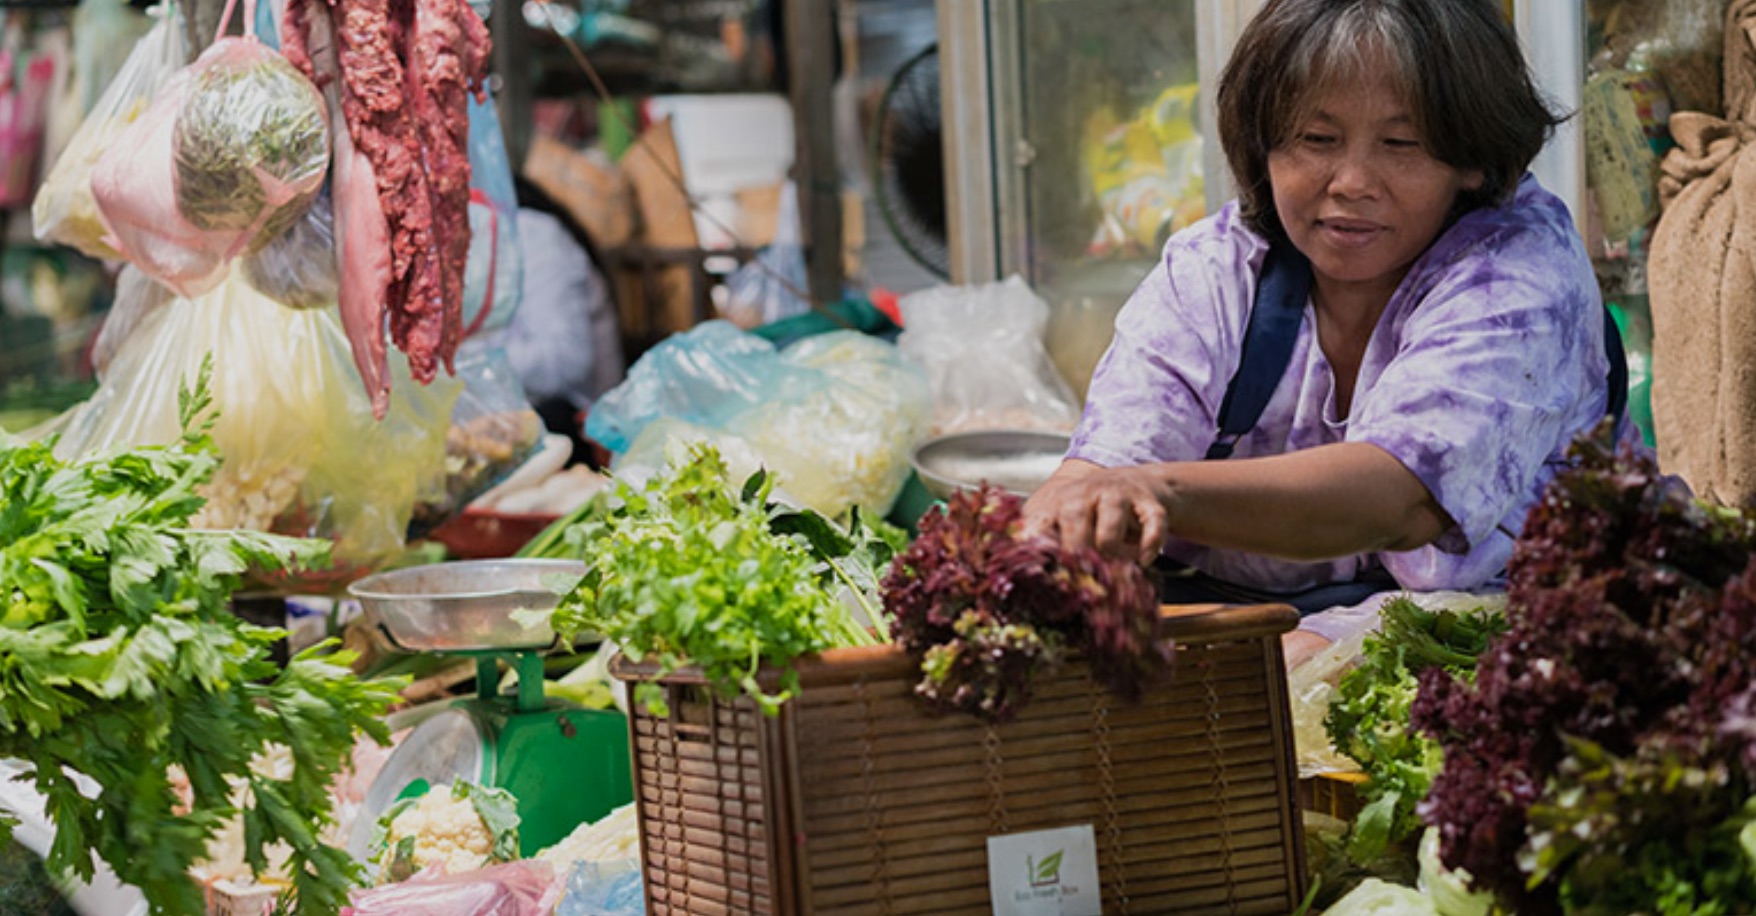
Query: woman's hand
{"x":1120,"y":511}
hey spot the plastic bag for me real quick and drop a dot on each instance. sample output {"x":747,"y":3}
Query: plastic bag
{"x":297,"y":268}
{"x":65,"y":210}
{"x":983,"y":348}
{"x":767,"y":289}
{"x":838,"y":433}
{"x":302,"y":453}
{"x":705,"y":375}
{"x":835,"y":416}
{"x":493,"y":278}
{"x":231,"y":151}
{"x":1374,"y":897}
{"x":492,"y":432}
{"x":251,"y":143}
{"x":604,"y":889}
{"x":523,"y":888}
{"x":138,"y":298}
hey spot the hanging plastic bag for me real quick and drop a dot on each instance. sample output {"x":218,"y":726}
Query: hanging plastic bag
{"x":493,"y":431}
{"x":297,"y":268}
{"x":768,"y":288}
{"x":983,"y":348}
{"x":65,"y":210}
{"x":251,"y":141}
{"x":494,"y":274}
{"x":302,"y":454}
{"x":138,"y":300}
{"x":231,"y":151}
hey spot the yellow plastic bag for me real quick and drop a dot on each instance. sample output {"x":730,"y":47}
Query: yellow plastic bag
{"x":64,"y":210}
{"x":302,"y":453}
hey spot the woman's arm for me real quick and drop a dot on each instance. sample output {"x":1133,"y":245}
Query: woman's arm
{"x":1314,"y":504}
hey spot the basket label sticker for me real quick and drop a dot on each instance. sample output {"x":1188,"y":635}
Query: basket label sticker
{"x":1045,"y":873}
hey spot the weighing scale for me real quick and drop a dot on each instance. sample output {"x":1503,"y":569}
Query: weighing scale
{"x":565,"y":765}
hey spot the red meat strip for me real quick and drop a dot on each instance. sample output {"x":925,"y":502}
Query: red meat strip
{"x":405,"y":71}
{"x":362,"y":235}
{"x":448,"y":61}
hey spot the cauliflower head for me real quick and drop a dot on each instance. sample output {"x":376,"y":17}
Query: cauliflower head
{"x":459,"y":829}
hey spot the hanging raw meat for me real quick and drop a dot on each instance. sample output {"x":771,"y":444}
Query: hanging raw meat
{"x":404,"y":72}
{"x":362,"y":236}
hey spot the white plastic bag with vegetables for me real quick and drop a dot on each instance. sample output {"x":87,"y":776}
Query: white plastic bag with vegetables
{"x":982,"y":346}
{"x":64,"y":210}
{"x":302,"y":454}
{"x":231,"y":153}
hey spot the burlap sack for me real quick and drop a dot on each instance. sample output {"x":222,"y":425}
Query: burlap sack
{"x":1702,"y":281}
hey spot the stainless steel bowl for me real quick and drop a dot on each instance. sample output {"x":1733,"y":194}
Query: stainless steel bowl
{"x":468,"y":605}
{"x":1012,"y":459}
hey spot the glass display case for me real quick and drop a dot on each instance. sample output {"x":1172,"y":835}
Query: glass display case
{"x":1076,"y":142}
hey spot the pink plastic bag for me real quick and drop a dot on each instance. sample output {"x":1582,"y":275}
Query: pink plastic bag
{"x":524,"y":888}
{"x":231,"y":151}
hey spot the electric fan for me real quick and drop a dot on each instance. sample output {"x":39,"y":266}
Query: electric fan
{"x":908,"y":162}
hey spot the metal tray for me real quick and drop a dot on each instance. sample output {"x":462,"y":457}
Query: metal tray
{"x":1012,"y":459}
{"x":468,"y":605}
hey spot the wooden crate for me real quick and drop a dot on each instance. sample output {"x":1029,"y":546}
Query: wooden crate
{"x":857,"y":800}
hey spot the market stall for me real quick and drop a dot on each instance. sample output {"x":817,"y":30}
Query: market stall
{"x":306,"y":610}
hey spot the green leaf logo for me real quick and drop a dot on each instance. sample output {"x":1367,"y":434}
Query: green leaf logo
{"x":1048,"y":871}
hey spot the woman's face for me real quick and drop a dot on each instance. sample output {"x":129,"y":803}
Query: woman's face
{"x":1357,"y":189}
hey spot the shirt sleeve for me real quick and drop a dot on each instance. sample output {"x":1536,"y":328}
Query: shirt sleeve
{"x":1155,"y":394}
{"x":1487,"y":377}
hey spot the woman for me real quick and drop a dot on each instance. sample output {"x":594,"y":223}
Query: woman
{"x":1452,"y":344}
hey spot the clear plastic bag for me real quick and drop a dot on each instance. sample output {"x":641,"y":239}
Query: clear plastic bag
{"x":137,"y":300}
{"x":492,"y":432}
{"x":834,"y":416}
{"x":493,"y":278}
{"x":64,"y":210}
{"x":767,"y":289}
{"x":251,"y":143}
{"x":604,"y":889}
{"x":302,"y":453}
{"x":839,"y":431}
{"x":982,"y":347}
{"x":297,"y":268}
{"x":704,"y":375}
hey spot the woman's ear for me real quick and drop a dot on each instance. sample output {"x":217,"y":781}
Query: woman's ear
{"x":1473,"y":179}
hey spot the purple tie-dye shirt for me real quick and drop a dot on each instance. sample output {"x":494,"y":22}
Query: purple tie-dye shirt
{"x":1487,"y":361}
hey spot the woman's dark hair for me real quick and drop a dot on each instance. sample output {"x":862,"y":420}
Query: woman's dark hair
{"x":1468,"y":88}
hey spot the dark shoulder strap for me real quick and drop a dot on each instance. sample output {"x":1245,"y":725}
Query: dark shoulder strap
{"x":1281,"y":292}
{"x":1618,"y":368}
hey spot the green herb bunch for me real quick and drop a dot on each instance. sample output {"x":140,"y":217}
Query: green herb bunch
{"x":252,"y":133}
{"x":1369,"y":718}
{"x":119,"y":661}
{"x":691,"y":570}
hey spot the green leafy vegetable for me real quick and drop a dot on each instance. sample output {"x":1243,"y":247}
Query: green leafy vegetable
{"x":1368,"y":719}
{"x":120,"y":661}
{"x":691,"y":570}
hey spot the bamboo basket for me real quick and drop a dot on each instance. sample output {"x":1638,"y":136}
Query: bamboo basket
{"x":857,"y":800}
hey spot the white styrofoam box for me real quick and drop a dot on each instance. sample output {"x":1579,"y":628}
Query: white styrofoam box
{"x":726,"y":143}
